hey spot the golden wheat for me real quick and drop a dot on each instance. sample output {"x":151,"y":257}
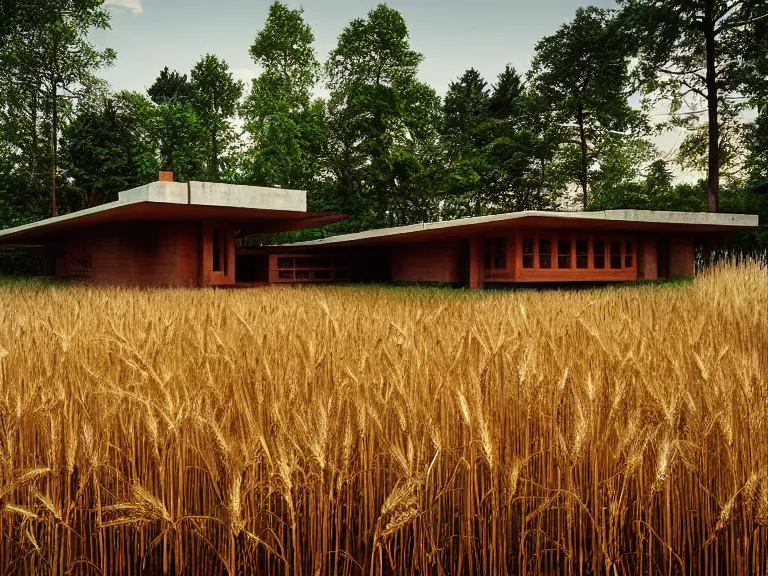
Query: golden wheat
{"x":364,"y":431}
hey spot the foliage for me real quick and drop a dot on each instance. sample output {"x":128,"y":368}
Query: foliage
{"x":46,"y":64}
{"x":691,"y":55}
{"x":214,"y":98}
{"x":381,"y":146}
{"x":285,"y":127}
{"x":581,"y":79}
{"x":108,"y":147}
{"x":175,"y":127}
{"x":381,"y":124}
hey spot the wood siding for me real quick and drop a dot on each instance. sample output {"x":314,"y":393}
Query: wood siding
{"x":439,"y":262}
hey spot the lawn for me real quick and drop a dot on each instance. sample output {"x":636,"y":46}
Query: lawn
{"x":349,"y":430}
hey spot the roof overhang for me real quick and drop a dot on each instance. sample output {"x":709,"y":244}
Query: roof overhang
{"x":616,"y":220}
{"x":252,"y":209}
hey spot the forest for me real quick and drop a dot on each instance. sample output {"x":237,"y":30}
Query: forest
{"x":380,"y":145}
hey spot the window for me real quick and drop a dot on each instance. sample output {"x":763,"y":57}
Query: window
{"x":615,"y":255}
{"x":495,"y":256}
{"x":500,"y":253}
{"x":216,"y":251}
{"x":527,"y":252}
{"x":582,"y":254}
{"x":488,"y":254}
{"x":628,"y":256}
{"x":545,"y":253}
{"x":285,"y":262}
{"x":563,"y":253}
{"x":598,"y":254}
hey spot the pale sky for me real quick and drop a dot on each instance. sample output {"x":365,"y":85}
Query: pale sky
{"x":453,"y":35}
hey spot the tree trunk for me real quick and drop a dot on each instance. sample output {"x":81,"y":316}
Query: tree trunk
{"x":583,"y":142}
{"x":54,"y":146}
{"x":713,"y":158}
{"x":215,"y":157}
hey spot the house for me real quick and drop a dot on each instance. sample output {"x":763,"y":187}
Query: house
{"x":173,"y":234}
{"x":516,"y":248}
{"x":165,"y":233}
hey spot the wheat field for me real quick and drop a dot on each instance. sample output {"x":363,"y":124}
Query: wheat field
{"x":363,"y":430}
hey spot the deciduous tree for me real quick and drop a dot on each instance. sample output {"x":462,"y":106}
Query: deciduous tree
{"x":283,"y":123}
{"x":581,"y":78}
{"x":690,"y":52}
{"x":382,"y":121}
{"x":214,"y":97}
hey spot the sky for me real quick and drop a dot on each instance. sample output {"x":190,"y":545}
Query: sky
{"x":453,"y":36}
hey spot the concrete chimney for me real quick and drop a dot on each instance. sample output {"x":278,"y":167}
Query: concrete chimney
{"x":166,"y":176}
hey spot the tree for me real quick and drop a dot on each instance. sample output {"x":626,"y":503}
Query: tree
{"x":48,"y":63}
{"x":691,"y":50}
{"x":464,"y":136}
{"x":215,"y":95}
{"x":284,"y":124}
{"x":175,"y":127}
{"x":581,"y":79}
{"x":108,"y":147}
{"x":382,"y":122}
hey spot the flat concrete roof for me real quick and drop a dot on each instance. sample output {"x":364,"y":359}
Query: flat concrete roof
{"x":628,"y":220}
{"x":255,"y":209}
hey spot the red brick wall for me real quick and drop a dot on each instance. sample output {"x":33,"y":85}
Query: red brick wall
{"x":681,"y":256}
{"x":437,"y":262}
{"x":647,"y":259}
{"x":132,"y":255}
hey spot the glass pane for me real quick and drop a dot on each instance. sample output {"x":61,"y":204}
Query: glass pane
{"x":615,"y":255}
{"x":285,"y":275}
{"x":500,"y":253}
{"x":563,"y":253}
{"x":216,"y":251}
{"x":582,"y":254}
{"x":598,"y":253}
{"x":285,"y":262}
{"x":545,"y":253}
{"x":628,"y":256}
{"x":527,"y":252}
{"x":488,"y":254}
{"x":302,"y":274}
{"x":322,"y":274}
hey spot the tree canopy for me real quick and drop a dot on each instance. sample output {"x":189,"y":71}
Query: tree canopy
{"x":366,"y":136}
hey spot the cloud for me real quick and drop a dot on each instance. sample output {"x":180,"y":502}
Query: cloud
{"x":132,"y":5}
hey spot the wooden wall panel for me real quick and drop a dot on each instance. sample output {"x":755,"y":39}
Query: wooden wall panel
{"x":647,"y":258}
{"x":438,"y":262}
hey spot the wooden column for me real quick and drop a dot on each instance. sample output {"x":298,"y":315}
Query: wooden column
{"x":476,"y":264}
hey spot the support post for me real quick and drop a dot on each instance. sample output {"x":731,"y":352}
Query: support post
{"x":647,"y":258}
{"x":476,"y":268}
